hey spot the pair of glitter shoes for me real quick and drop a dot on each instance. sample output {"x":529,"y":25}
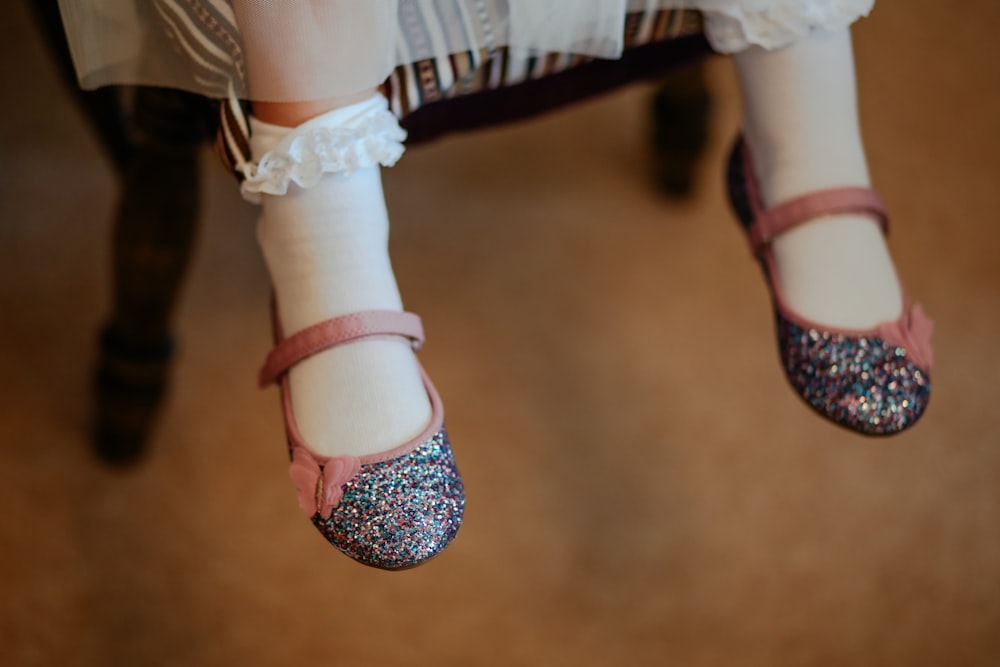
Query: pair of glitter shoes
{"x":875,"y":381}
{"x":392,"y":510}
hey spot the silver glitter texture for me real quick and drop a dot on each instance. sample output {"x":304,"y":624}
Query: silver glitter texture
{"x":860,"y":382}
{"x":401,"y":512}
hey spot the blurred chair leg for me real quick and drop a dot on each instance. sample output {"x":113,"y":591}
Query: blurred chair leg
{"x":154,"y":143}
{"x":153,"y":238}
{"x":681,"y":109}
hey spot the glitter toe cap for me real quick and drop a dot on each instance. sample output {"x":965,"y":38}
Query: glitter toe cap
{"x":401,"y":512}
{"x":862,"y":382}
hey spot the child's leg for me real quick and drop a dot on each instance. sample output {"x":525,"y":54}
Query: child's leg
{"x":800,"y":121}
{"x":326,"y":248}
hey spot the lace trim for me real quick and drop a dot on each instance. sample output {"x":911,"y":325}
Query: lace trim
{"x":731,"y":27}
{"x":304,"y":157}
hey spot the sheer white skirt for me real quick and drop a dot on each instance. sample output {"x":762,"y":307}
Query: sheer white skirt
{"x":309,"y":49}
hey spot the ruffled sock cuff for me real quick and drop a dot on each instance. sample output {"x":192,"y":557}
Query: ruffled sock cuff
{"x":732,"y":26}
{"x":341,"y":141}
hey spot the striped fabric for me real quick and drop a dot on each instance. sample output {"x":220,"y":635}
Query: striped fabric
{"x":411,"y":86}
{"x":205,"y":34}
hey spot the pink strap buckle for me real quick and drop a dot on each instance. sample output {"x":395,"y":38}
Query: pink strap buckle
{"x":337,"y":331}
{"x":769,"y":223}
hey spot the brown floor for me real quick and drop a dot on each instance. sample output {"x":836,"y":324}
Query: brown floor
{"x":643,"y":488}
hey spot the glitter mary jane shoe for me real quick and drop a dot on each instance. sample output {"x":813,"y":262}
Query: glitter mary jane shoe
{"x":875,"y":381}
{"x":391,"y":510}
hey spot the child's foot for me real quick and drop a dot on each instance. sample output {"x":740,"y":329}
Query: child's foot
{"x":847,"y":346}
{"x":835,"y":270}
{"x":326,"y":247}
{"x":369,"y":453}
{"x":800,"y":120}
{"x":870,"y":378}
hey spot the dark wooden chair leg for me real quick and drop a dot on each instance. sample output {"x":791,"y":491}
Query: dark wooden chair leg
{"x":153,"y":238}
{"x":681,"y":114}
{"x":153,"y":137}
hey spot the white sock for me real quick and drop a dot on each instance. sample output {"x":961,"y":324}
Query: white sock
{"x":326,"y":248}
{"x":800,"y":121}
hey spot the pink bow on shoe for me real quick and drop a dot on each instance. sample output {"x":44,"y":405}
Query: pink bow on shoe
{"x":321,"y":487}
{"x":912,"y":332}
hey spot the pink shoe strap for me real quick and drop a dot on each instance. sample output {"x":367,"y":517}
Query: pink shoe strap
{"x":769,"y":223}
{"x":337,"y":331}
